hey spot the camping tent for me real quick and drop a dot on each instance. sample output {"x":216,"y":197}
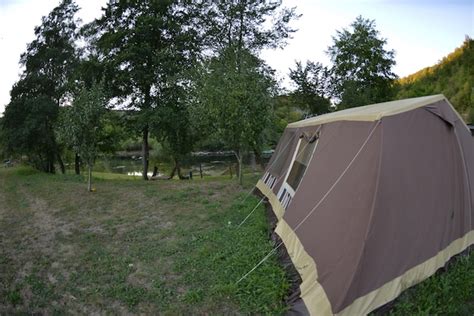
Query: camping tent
{"x":371,"y":201}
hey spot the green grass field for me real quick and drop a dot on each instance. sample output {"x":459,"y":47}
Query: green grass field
{"x":168,"y":247}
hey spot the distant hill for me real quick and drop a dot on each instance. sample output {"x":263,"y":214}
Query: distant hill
{"x":453,"y":76}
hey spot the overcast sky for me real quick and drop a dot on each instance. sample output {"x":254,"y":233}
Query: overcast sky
{"x":420,"y":31}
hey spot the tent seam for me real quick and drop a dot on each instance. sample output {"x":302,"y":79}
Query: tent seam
{"x":457,"y":114}
{"x":466,"y":171}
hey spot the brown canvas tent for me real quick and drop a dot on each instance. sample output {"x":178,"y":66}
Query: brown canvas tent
{"x":371,"y":201}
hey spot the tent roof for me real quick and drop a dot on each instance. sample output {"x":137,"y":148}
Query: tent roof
{"x":371,"y":112}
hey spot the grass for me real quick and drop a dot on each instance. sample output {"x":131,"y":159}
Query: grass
{"x":167,"y":247}
{"x":449,"y":292}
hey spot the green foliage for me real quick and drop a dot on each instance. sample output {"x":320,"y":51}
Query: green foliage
{"x":284,"y":112}
{"x":144,"y":46}
{"x":27,"y":128}
{"x":244,"y":24}
{"x":236,"y":98}
{"x":452,"y":76}
{"x":311,"y":93}
{"x":14,"y":297}
{"x":114,"y":131}
{"x":51,"y":58}
{"x":173,"y":124}
{"x":30,"y":118}
{"x":82,"y":124}
{"x":236,"y":86}
{"x":450,"y":292}
{"x":362,"y":68}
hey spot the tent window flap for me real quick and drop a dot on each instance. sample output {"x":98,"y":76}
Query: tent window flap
{"x":305,"y":151}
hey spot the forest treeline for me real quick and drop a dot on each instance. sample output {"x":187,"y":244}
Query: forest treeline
{"x":453,"y":76}
{"x":188,"y":76}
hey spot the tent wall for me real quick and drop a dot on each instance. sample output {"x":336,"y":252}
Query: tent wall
{"x":382,"y":205}
{"x":335,"y":232}
{"x":422,"y":203}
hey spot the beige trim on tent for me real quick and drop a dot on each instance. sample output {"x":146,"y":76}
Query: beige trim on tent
{"x":311,"y":291}
{"x":272,"y":198}
{"x":389,"y":291}
{"x":371,"y":112}
{"x":379,"y":287}
{"x":313,"y":294}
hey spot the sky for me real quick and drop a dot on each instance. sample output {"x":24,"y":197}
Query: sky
{"x":421,"y":32}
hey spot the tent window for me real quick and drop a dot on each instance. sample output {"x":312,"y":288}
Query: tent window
{"x":281,"y":157}
{"x":302,"y":158}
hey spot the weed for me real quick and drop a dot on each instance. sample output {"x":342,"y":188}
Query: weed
{"x":14,"y":297}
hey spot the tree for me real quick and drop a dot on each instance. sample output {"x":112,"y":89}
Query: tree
{"x":452,"y":76}
{"x":50,"y":59}
{"x":172,"y":124}
{"x":82,"y":126}
{"x":311,"y":81}
{"x":285,"y":112}
{"x":144,"y":45}
{"x":27,"y":129}
{"x":362,"y":68}
{"x":238,"y":87}
{"x":245,"y":24}
{"x":237,"y":97}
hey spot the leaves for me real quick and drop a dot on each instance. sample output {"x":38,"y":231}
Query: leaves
{"x":236,"y":97}
{"x":452,"y":76}
{"x":362,"y":69}
{"x":312,"y":87}
{"x":50,"y":59}
{"x":82,"y":124}
{"x":249,"y":25}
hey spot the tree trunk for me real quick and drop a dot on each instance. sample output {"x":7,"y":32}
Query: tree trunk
{"x":89,"y":180}
{"x":241,"y":175}
{"x":61,"y":164}
{"x":178,"y":168}
{"x":200,"y":170}
{"x":173,"y":172}
{"x":77,"y":166}
{"x":50,"y":163}
{"x":259,"y":158}
{"x":238,"y":154}
{"x":253,"y":161}
{"x":145,"y":152}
